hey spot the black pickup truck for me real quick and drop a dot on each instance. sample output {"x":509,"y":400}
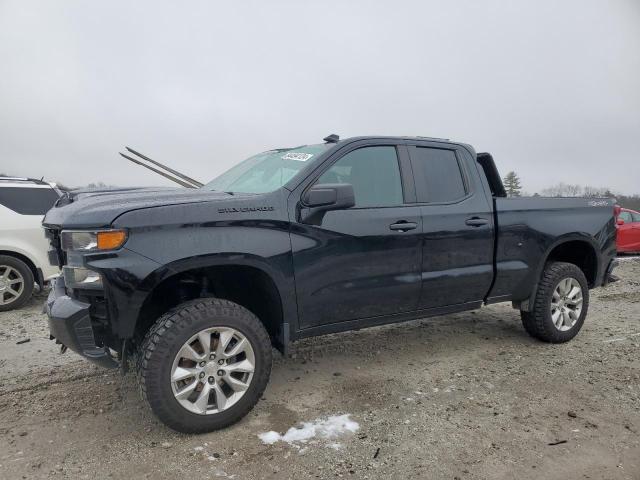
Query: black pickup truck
{"x":197,"y":285}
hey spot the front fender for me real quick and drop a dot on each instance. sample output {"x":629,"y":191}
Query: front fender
{"x":159,"y":253}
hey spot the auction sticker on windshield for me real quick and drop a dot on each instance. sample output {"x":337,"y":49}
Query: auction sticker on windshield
{"x":299,"y":156}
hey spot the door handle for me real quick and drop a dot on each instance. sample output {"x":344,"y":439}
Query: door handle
{"x":476,"y":221}
{"x":403,"y":226}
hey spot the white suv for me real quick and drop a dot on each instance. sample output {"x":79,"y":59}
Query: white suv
{"x":23,"y":246}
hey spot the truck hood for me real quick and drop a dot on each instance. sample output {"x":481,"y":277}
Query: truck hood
{"x":98,"y":208}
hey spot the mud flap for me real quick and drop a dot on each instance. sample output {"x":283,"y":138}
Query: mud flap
{"x":609,"y":277}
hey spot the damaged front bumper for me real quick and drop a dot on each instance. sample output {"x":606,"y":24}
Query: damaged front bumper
{"x":70,"y":325}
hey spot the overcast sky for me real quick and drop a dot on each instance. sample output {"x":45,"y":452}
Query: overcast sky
{"x":551,"y":89}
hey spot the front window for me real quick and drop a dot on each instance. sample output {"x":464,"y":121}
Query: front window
{"x":374,"y":174}
{"x":266,"y":171}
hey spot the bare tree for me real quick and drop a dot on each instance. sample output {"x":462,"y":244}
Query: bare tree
{"x":591,"y":192}
{"x":574,"y":190}
{"x":558,"y":190}
{"x":563,"y":190}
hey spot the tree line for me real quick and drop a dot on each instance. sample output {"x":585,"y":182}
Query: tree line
{"x":513,"y":187}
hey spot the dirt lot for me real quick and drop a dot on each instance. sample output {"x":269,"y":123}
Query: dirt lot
{"x":464,"y":396}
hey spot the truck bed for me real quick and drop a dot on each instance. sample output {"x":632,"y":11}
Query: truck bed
{"x":528,"y":229}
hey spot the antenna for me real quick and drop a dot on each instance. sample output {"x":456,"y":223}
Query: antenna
{"x":166,"y":175}
{"x":333,"y":138}
{"x":170,"y":170}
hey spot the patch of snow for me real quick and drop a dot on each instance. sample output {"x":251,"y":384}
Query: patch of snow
{"x":335,"y":446}
{"x":198,"y":449}
{"x":330,"y":427}
{"x":222,"y":473}
{"x":269,"y":437}
{"x":621,"y":339}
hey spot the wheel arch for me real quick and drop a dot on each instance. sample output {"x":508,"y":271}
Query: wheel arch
{"x":575,"y":248}
{"x":37,"y":275}
{"x":246,"y":280}
{"x":579,"y":250}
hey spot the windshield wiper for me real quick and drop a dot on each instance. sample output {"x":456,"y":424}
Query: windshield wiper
{"x":279,"y":150}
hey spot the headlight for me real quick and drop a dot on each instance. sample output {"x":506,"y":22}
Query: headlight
{"x":79,"y":277}
{"x":76,"y":244}
{"x":82,"y":241}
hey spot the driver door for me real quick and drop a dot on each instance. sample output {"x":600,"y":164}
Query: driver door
{"x":363,"y":261}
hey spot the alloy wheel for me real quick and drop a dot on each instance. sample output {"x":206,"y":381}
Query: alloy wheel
{"x":11,"y":284}
{"x":566,"y":304}
{"x":213,"y":370}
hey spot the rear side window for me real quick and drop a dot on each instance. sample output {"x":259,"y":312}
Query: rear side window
{"x":636,"y":217}
{"x":374,"y":174}
{"x":28,"y":201}
{"x":438,"y":175}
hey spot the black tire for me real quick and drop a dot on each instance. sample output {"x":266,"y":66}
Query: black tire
{"x":167,"y":336}
{"x":538,"y":322}
{"x":27,"y":275}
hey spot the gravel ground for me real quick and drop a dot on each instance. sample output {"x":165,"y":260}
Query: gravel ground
{"x":467,"y":396}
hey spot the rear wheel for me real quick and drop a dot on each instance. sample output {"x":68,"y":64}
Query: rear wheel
{"x":16,"y":283}
{"x":204,"y":365}
{"x":561,"y":304}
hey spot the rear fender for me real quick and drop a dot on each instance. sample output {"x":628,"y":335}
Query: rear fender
{"x":525,"y":305}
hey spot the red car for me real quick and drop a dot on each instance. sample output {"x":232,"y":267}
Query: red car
{"x":628,"y":231}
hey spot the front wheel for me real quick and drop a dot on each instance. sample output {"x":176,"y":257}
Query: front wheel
{"x":204,"y":365}
{"x":16,"y":283}
{"x":561,"y":304}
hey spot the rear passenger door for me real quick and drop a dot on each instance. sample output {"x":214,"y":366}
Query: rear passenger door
{"x":458,"y":227}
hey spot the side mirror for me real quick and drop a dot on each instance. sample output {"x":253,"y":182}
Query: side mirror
{"x":330,"y":196}
{"x":324,"y":197}
{"x":619,"y":221}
